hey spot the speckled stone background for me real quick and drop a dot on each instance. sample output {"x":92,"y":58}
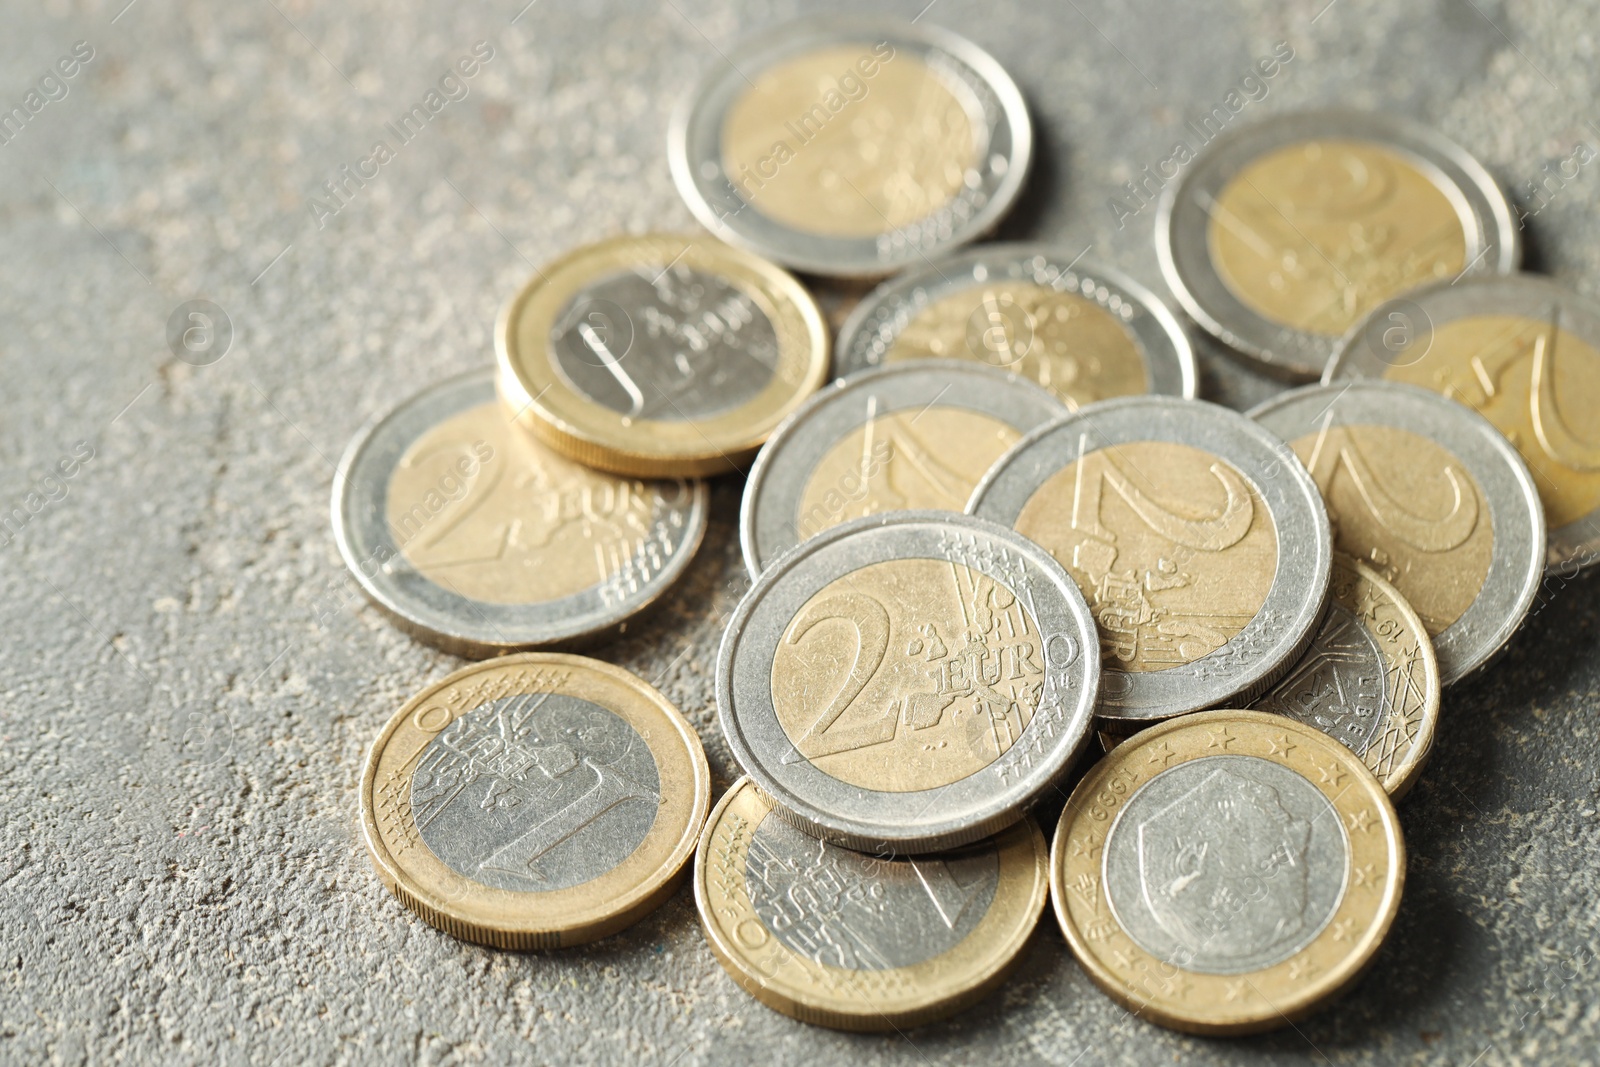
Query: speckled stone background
{"x":188,"y":679}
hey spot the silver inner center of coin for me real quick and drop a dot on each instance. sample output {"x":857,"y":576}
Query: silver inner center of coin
{"x":854,"y":911}
{"x":1339,"y":686}
{"x":1226,"y":864}
{"x":535,"y":792}
{"x":672,"y":345}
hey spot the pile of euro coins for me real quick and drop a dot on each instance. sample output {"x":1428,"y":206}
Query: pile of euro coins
{"x":996,"y":545}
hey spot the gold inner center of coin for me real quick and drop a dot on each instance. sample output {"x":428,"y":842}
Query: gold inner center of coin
{"x":482,"y":510}
{"x":1316,"y":234}
{"x":851,"y":141}
{"x":908,"y":674}
{"x":1407,"y":507}
{"x":1070,"y":345}
{"x":1173,"y":548}
{"x":1539,"y":385}
{"x":931,"y":458}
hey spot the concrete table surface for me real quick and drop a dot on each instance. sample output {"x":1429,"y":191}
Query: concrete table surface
{"x":189,"y":680}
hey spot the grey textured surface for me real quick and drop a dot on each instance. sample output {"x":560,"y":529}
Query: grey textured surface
{"x":189,"y":680}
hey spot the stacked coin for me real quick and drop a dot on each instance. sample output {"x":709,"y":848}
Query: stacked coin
{"x":1008,"y":526}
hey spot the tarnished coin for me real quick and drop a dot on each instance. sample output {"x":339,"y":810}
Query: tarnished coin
{"x":1201,"y":545}
{"x":1227,"y":872}
{"x":914,"y":436}
{"x":1525,"y":354}
{"x":534,"y":801}
{"x":478,"y":539}
{"x":659,"y":356}
{"x":1432,"y":497}
{"x":1082,"y":331}
{"x":1369,"y":678}
{"x":851,"y":146}
{"x":1282,"y":235}
{"x":910,"y":681}
{"x":858,"y":941}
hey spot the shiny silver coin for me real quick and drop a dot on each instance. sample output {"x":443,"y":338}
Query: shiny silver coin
{"x":908,"y":682}
{"x":1432,"y":497}
{"x":1280,"y":235}
{"x":475,"y":538}
{"x":1201,"y":545}
{"x":913,"y":436}
{"x":1523,"y":352}
{"x":1083,"y":331}
{"x":851,"y":146}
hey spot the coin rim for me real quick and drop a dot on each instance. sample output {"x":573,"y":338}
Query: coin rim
{"x":1261,"y":472}
{"x":1474,"y":428}
{"x":1573,"y":546}
{"x":538,"y":928}
{"x":620,"y":450}
{"x":1499,"y":237}
{"x":932,"y":1001}
{"x":471,"y":637}
{"x":842,"y":261}
{"x":1000,"y":807}
{"x":1159,"y":365}
{"x":839,"y":391}
{"x":1314,"y":994}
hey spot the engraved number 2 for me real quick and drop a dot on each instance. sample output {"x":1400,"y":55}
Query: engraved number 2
{"x":871,"y":624}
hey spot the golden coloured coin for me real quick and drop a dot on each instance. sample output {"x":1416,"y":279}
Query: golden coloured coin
{"x":1063,"y":341}
{"x":1227,"y":872}
{"x":659,"y":356}
{"x":534,"y":801}
{"x":931,"y":458}
{"x":1175,"y":560}
{"x":1369,"y":679}
{"x":532,"y":527}
{"x":860,"y":941}
{"x":962,"y":679}
{"x":1316,"y":234}
{"x":1540,"y":386}
{"x":821,"y":147}
{"x":1407,"y":507}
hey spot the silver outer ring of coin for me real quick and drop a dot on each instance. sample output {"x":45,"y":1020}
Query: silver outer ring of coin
{"x":1516,"y":564}
{"x":878,"y":321}
{"x":769,"y":512}
{"x":927,"y":820}
{"x":1575,"y":545}
{"x":434,"y":614}
{"x":1272,"y":641}
{"x":694,"y":149}
{"x":1182,"y":225}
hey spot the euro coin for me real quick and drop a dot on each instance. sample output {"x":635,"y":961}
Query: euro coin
{"x":912,"y":436}
{"x":1201,"y":545}
{"x":851,"y":147}
{"x":1082,"y":331}
{"x":858,"y":941}
{"x":534,"y":801}
{"x":475,"y":538}
{"x":1280,"y":236}
{"x":1227,"y":872}
{"x":1369,"y":679}
{"x":1524,"y":353}
{"x":911,"y":681}
{"x":659,"y":356}
{"x":1432,"y":497}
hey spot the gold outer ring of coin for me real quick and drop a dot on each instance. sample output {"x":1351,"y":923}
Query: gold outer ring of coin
{"x":503,"y":918}
{"x":798,"y":987}
{"x":547,"y":405}
{"x":1199,"y":1003}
